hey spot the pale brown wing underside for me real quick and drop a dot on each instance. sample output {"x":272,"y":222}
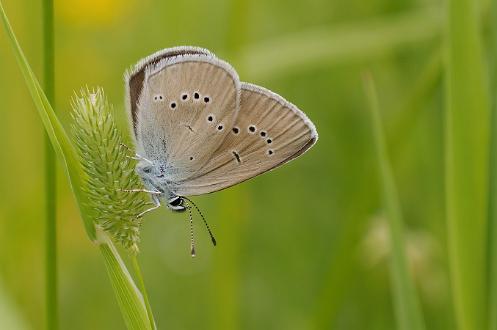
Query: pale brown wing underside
{"x":268,"y":132}
{"x":134,"y":77}
{"x":185,"y":110}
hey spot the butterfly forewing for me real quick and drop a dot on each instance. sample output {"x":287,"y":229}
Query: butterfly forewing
{"x":135,"y":77}
{"x":268,"y":132}
{"x":187,"y":107}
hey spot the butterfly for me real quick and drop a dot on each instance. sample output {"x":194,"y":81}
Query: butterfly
{"x":198,"y":129}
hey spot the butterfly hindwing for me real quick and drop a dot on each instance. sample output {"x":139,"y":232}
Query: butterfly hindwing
{"x":185,"y":110}
{"x":268,"y":132}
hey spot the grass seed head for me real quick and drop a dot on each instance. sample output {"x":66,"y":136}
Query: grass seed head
{"x":109,"y":169}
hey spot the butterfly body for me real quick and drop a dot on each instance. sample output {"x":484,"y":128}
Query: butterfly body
{"x":198,"y":129}
{"x":153,"y":178}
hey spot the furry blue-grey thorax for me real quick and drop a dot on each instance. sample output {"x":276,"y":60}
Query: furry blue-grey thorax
{"x":153,"y":177}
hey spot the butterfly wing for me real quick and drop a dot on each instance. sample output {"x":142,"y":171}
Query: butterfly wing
{"x":269,"y":131}
{"x":134,"y":78}
{"x":185,"y":110}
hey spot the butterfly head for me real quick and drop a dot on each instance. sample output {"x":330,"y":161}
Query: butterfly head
{"x":176,"y":204}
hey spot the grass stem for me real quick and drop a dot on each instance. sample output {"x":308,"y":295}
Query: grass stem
{"x":406,"y":304}
{"x":492,"y":198}
{"x":50,"y":174}
{"x":143,"y":289}
{"x":466,"y":164}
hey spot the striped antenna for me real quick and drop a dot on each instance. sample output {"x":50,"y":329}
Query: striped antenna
{"x":203,"y":219}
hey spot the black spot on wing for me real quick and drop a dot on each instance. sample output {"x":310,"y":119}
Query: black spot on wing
{"x":237,"y":157}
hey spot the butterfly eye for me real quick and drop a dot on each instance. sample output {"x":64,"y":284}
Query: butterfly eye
{"x":206,"y":99}
{"x":176,"y":202}
{"x":191,"y":157}
{"x":252,"y":129}
{"x":236,"y":130}
{"x":184,"y":96}
{"x":263,"y":133}
{"x":210,"y":118}
{"x":196,"y":95}
{"x":158,"y":98}
{"x":173,"y":105}
{"x":270,"y":152}
{"x":269,"y":141}
{"x":220,"y":127}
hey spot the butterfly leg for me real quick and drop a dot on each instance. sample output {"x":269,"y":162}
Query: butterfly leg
{"x":153,"y":192}
{"x":156,"y":206}
{"x":137,"y":156}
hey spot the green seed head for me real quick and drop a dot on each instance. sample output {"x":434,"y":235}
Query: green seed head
{"x":109,"y":170}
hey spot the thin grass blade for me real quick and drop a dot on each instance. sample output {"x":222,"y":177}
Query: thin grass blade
{"x":492,"y":198}
{"x":129,"y":298}
{"x":51,"y":289}
{"x":143,"y":290}
{"x":406,"y":303}
{"x":466,"y":164}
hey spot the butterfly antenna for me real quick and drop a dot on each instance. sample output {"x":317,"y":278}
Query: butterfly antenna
{"x":203,"y":219}
{"x":192,"y":238}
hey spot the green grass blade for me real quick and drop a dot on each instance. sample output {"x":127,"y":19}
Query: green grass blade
{"x":56,"y":133}
{"x":492,"y":226}
{"x":492,"y":207}
{"x":143,"y":289}
{"x":128,"y":296}
{"x":51,"y":304}
{"x":466,"y":165}
{"x":349,"y":42}
{"x":406,"y":303}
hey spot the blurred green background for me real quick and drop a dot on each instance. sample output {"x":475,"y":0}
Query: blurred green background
{"x":303,"y":247}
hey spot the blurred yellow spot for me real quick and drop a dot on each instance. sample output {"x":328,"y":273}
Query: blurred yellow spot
{"x":94,"y":12}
